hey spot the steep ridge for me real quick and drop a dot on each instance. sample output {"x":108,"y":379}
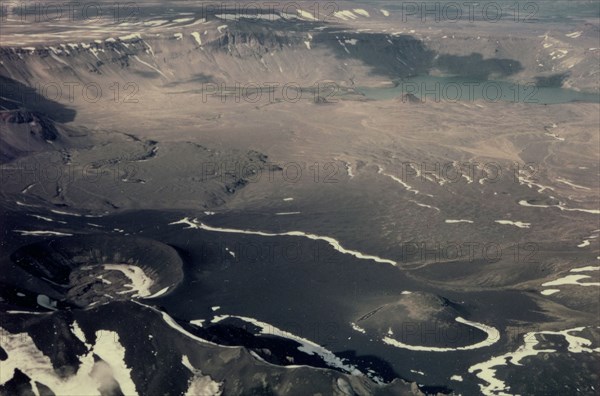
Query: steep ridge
{"x":25,"y":131}
{"x":84,"y":354}
{"x":263,"y":51}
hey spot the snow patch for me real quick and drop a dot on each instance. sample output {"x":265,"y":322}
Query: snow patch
{"x":514,"y":223}
{"x":306,"y":15}
{"x":306,"y":346}
{"x":140,"y":282}
{"x":570,"y":183}
{"x":345,"y":15}
{"x":182,"y":20}
{"x":381,"y":171}
{"x":89,"y":378}
{"x":585,"y":269}
{"x":571,"y":280}
{"x":197,"y":37}
{"x":585,"y":243}
{"x":200,"y":384}
{"x":487,"y":372}
{"x":149,"y":65}
{"x":493,"y":336}
{"x":549,"y":292}
{"x":41,"y":233}
{"x":130,"y":37}
{"x":524,"y":202}
{"x":194,"y":224}
{"x":362,"y":12}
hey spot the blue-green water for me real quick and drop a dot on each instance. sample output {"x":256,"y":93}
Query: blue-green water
{"x":460,"y":89}
{"x":495,"y":11}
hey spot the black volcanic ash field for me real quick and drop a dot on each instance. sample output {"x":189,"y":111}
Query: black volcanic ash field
{"x":194,"y":231}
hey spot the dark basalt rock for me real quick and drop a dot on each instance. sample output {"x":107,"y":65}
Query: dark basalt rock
{"x":39,"y":125}
{"x":422,"y":319}
{"x":409,"y":98}
{"x":75,"y":266}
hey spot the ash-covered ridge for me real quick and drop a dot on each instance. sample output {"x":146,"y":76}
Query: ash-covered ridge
{"x":422,"y":321}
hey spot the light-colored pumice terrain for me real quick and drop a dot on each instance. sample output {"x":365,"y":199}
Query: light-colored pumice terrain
{"x":458,"y":240}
